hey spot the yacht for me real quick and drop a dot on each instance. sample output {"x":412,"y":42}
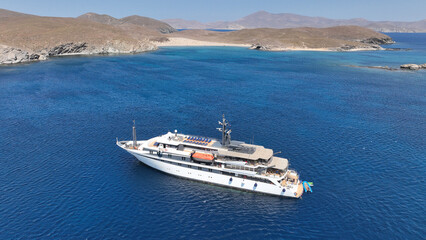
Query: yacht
{"x":224,"y":162}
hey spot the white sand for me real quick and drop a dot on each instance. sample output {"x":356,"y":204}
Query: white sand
{"x":186,"y":42}
{"x":274,"y":49}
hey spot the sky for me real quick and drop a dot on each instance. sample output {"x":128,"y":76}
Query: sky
{"x":209,"y":11}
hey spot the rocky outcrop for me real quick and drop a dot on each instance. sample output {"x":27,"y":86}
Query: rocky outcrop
{"x":111,"y":47}
{"x":359,"y":48}
{"x":10,"y":55}
{"x":120,"y":47}
{"x":413,"y":66}
{"x":378,"y":41}
{"x":68,"y":48}
{"x":261,"y":47}
{"x":402,"y":67}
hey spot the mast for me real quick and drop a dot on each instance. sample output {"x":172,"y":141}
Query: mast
{"x":226,"y":134}
{"x":135,"y":142}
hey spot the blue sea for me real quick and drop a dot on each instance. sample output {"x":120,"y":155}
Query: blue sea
{"x":358,"y":134}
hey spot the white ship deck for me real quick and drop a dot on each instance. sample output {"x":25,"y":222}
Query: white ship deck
{"x":233,"y":164}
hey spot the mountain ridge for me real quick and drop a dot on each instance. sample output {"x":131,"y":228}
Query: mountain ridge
{"x":264,"y":19}
{"x":147,"y":22}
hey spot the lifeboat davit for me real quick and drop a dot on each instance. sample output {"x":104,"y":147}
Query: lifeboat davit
{"x":202,"y":157}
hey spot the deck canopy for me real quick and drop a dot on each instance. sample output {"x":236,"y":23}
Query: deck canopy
{"x":247,"y":151}
{"x":278,"y":163}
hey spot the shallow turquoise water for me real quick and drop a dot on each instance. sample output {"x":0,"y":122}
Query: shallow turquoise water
{"x":358,"y":134}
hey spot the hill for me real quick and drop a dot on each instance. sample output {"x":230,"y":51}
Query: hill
{"x":100,"y":18}
{"x":10,"y":14}
{"x":263,"y":19}
{"x":341,"y":38}
{"x":149,"y":23}
{"x":27,"y":37}
{"x":145,"y":22}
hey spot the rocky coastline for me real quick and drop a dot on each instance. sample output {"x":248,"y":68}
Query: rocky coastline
{"x":412,"y":66}
{"x":12,"y":55}
{"x":344,"y":48}
{"x":409,"y":67}
{"x":28,"y":38}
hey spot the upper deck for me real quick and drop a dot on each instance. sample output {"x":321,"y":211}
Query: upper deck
{"x":236,"y":150}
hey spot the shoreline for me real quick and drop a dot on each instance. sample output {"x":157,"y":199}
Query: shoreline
{"x":187,"y":42}
{"x":178,"y":42}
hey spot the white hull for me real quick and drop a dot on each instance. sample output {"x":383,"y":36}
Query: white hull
{"x":212,"y":177}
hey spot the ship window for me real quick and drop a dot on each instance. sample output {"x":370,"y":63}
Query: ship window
{"x":179,"y":164}
{"x":183,"y":158}
{"x":210,"y":170}
{"x":169,"y":155}
{"x":200,"y":168}
{"x":227,"y":173}
{"x":150,"y":152}
{"x":189,"y":166}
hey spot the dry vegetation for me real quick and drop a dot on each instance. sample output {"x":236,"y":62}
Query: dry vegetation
{"x":333,"y":37}
{"x":36,"y":33}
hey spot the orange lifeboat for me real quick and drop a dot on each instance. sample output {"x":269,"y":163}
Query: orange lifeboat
{"x":202,"y":157}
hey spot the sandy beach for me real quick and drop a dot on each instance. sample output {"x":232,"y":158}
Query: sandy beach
{"x":186,"y":42}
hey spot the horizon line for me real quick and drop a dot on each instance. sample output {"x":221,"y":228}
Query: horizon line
{"x":162,"y":19}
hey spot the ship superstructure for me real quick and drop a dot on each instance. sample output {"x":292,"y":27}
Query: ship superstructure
{"x":226,"y":162}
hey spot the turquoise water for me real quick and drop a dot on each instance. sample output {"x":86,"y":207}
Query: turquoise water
{"x":358,"y":134}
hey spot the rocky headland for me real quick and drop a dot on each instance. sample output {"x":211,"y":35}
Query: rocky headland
{"x":25,"y":38}
{"x":410,"y":66}
{"x":342,"y":38}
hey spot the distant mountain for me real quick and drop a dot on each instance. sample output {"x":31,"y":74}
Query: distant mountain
{"x":263,"y":19}
{"x":146,"y":22}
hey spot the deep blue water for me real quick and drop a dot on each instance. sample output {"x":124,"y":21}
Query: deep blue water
{"x":358,"y":134}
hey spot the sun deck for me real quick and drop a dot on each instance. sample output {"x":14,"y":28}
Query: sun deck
{"x":236,"y":150}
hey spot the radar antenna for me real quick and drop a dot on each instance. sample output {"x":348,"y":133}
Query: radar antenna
{"x":226,"y":134}
{"x":135,"y":142}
